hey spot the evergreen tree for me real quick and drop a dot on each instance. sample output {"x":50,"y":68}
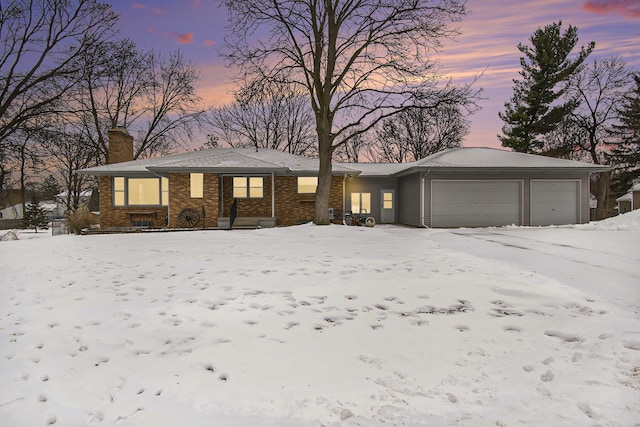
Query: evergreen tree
{"x":546,"y":68}
{"x":625,"y":149}
{"x":50,"y":187}
{"x":35,"y":216}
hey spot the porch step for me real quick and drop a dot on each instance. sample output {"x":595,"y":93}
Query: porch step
{"x":248,"y":222}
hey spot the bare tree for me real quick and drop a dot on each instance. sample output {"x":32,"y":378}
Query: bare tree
{"x":417,"y":133}
{"x":41,"y":41}
{"x":153,"y":96}
{"x":355,"y":149}
{"x":267,"y":116}
{"x":600,"y":89}
{"x":21,"y":158}
{"x":68,"y":152}
{"x":359,"y":61}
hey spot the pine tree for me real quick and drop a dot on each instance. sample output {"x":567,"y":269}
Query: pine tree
{"x":546,"y":69}
{"x":35,"y":216}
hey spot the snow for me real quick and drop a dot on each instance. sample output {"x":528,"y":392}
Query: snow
{"x":335,"y":326}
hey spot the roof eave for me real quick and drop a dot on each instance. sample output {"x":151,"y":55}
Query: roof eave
{"x":497,"y":169}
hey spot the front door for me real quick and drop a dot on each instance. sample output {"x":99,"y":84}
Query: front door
{"x":388,"y":206}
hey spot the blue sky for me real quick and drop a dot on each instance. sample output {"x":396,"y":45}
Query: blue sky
{"x":490,"y":33}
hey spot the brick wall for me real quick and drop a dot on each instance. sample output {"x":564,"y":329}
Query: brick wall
{"x":260,"y":207}
{"x":293,"y":208}
{"x":180,"y":198}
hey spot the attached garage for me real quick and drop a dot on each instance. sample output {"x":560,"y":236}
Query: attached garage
{"x":477,"y":203}
{"x":555,"y":202}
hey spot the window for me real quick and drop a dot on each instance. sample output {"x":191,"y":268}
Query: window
{"x":140,"y":191}
{"x":197,"y":185}
{"x":248,"y":187}
{"x":361,"y":203}
{"x":164,"y":184}
{"x":307,"y":184}
{"x":144,"y":191}
{"x":118,"y":191}
{"x":387,"y":200}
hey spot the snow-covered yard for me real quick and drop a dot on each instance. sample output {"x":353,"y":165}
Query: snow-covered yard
{"x":323,"y":326}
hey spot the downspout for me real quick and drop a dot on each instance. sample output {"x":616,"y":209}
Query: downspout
{"x":344,"y":195}
{"x":221,"y":194}
{"x":168,"y":221}
{"x":273,"y":194}
{"x":422,"y":215}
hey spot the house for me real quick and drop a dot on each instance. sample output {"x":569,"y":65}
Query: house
{"x":631,"y":200}
{"x":478,"y":187}
{"x":16,"y":211}
{"x":458,"y":187}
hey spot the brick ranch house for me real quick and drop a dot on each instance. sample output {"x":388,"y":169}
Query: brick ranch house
{"x":210,"y":188}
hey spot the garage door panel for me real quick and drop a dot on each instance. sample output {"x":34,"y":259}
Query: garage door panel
{"x":475,"y":203}
{"x":555,"y":202}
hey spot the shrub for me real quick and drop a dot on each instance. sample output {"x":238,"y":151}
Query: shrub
{"x":80,"y":219}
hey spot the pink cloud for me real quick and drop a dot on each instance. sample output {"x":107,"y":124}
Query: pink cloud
{"x":186,"y":38}
{"x":141,"y":6}
{"x":628,"y":8}
{"x":196,"y":4}
{"x":209,"y":43}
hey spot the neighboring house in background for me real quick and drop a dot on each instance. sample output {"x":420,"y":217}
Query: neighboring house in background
{"x":61,"y":200}
{"x":459,"y":187}
{"x":630,"y":201}
{"x":16,"y":212}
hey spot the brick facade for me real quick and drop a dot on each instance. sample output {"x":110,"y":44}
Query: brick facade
{"x":291,"y":208}
{"x":126,"y":216}
{"x":180,"y":198}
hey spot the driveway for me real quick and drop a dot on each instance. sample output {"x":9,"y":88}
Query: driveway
{"x":600,"y":262}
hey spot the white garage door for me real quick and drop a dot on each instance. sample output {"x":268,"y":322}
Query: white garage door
{"x":476,"y":203}
{"x":555,"y":202}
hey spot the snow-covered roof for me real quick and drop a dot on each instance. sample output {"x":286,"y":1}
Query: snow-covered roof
{"x":625,"y":198}
{"x":482,"y":157}
{"x":246,"y":160}
{"x":220,"y":160}
{"x":376,"y":169}
{"x":636,"y":187}
{"x":473,"y":158}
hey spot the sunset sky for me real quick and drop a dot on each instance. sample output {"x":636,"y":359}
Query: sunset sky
{"x":490,"y":33}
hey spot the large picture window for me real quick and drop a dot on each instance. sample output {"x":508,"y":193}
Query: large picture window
{"x":140,"y":191}
{"x":307,"y":184}
{"x":251,"y":187}
{"x":361,"y":203}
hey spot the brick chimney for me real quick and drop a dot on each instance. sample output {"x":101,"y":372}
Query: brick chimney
{"x":120,"y":146}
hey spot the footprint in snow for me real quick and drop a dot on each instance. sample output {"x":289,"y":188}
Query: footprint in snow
{"x":291,"y":325}
{"x":631,"y":345}
{"x":564,"y":336}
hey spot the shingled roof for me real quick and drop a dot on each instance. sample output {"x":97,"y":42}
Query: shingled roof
{"x":221,"y":160}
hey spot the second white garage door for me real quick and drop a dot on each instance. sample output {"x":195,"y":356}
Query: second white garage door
{"x":555,"y":202}
{"x":476,"y":203}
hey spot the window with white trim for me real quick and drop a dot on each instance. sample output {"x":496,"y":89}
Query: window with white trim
{"x":248,"y":187}
{"x":307,"y":184}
